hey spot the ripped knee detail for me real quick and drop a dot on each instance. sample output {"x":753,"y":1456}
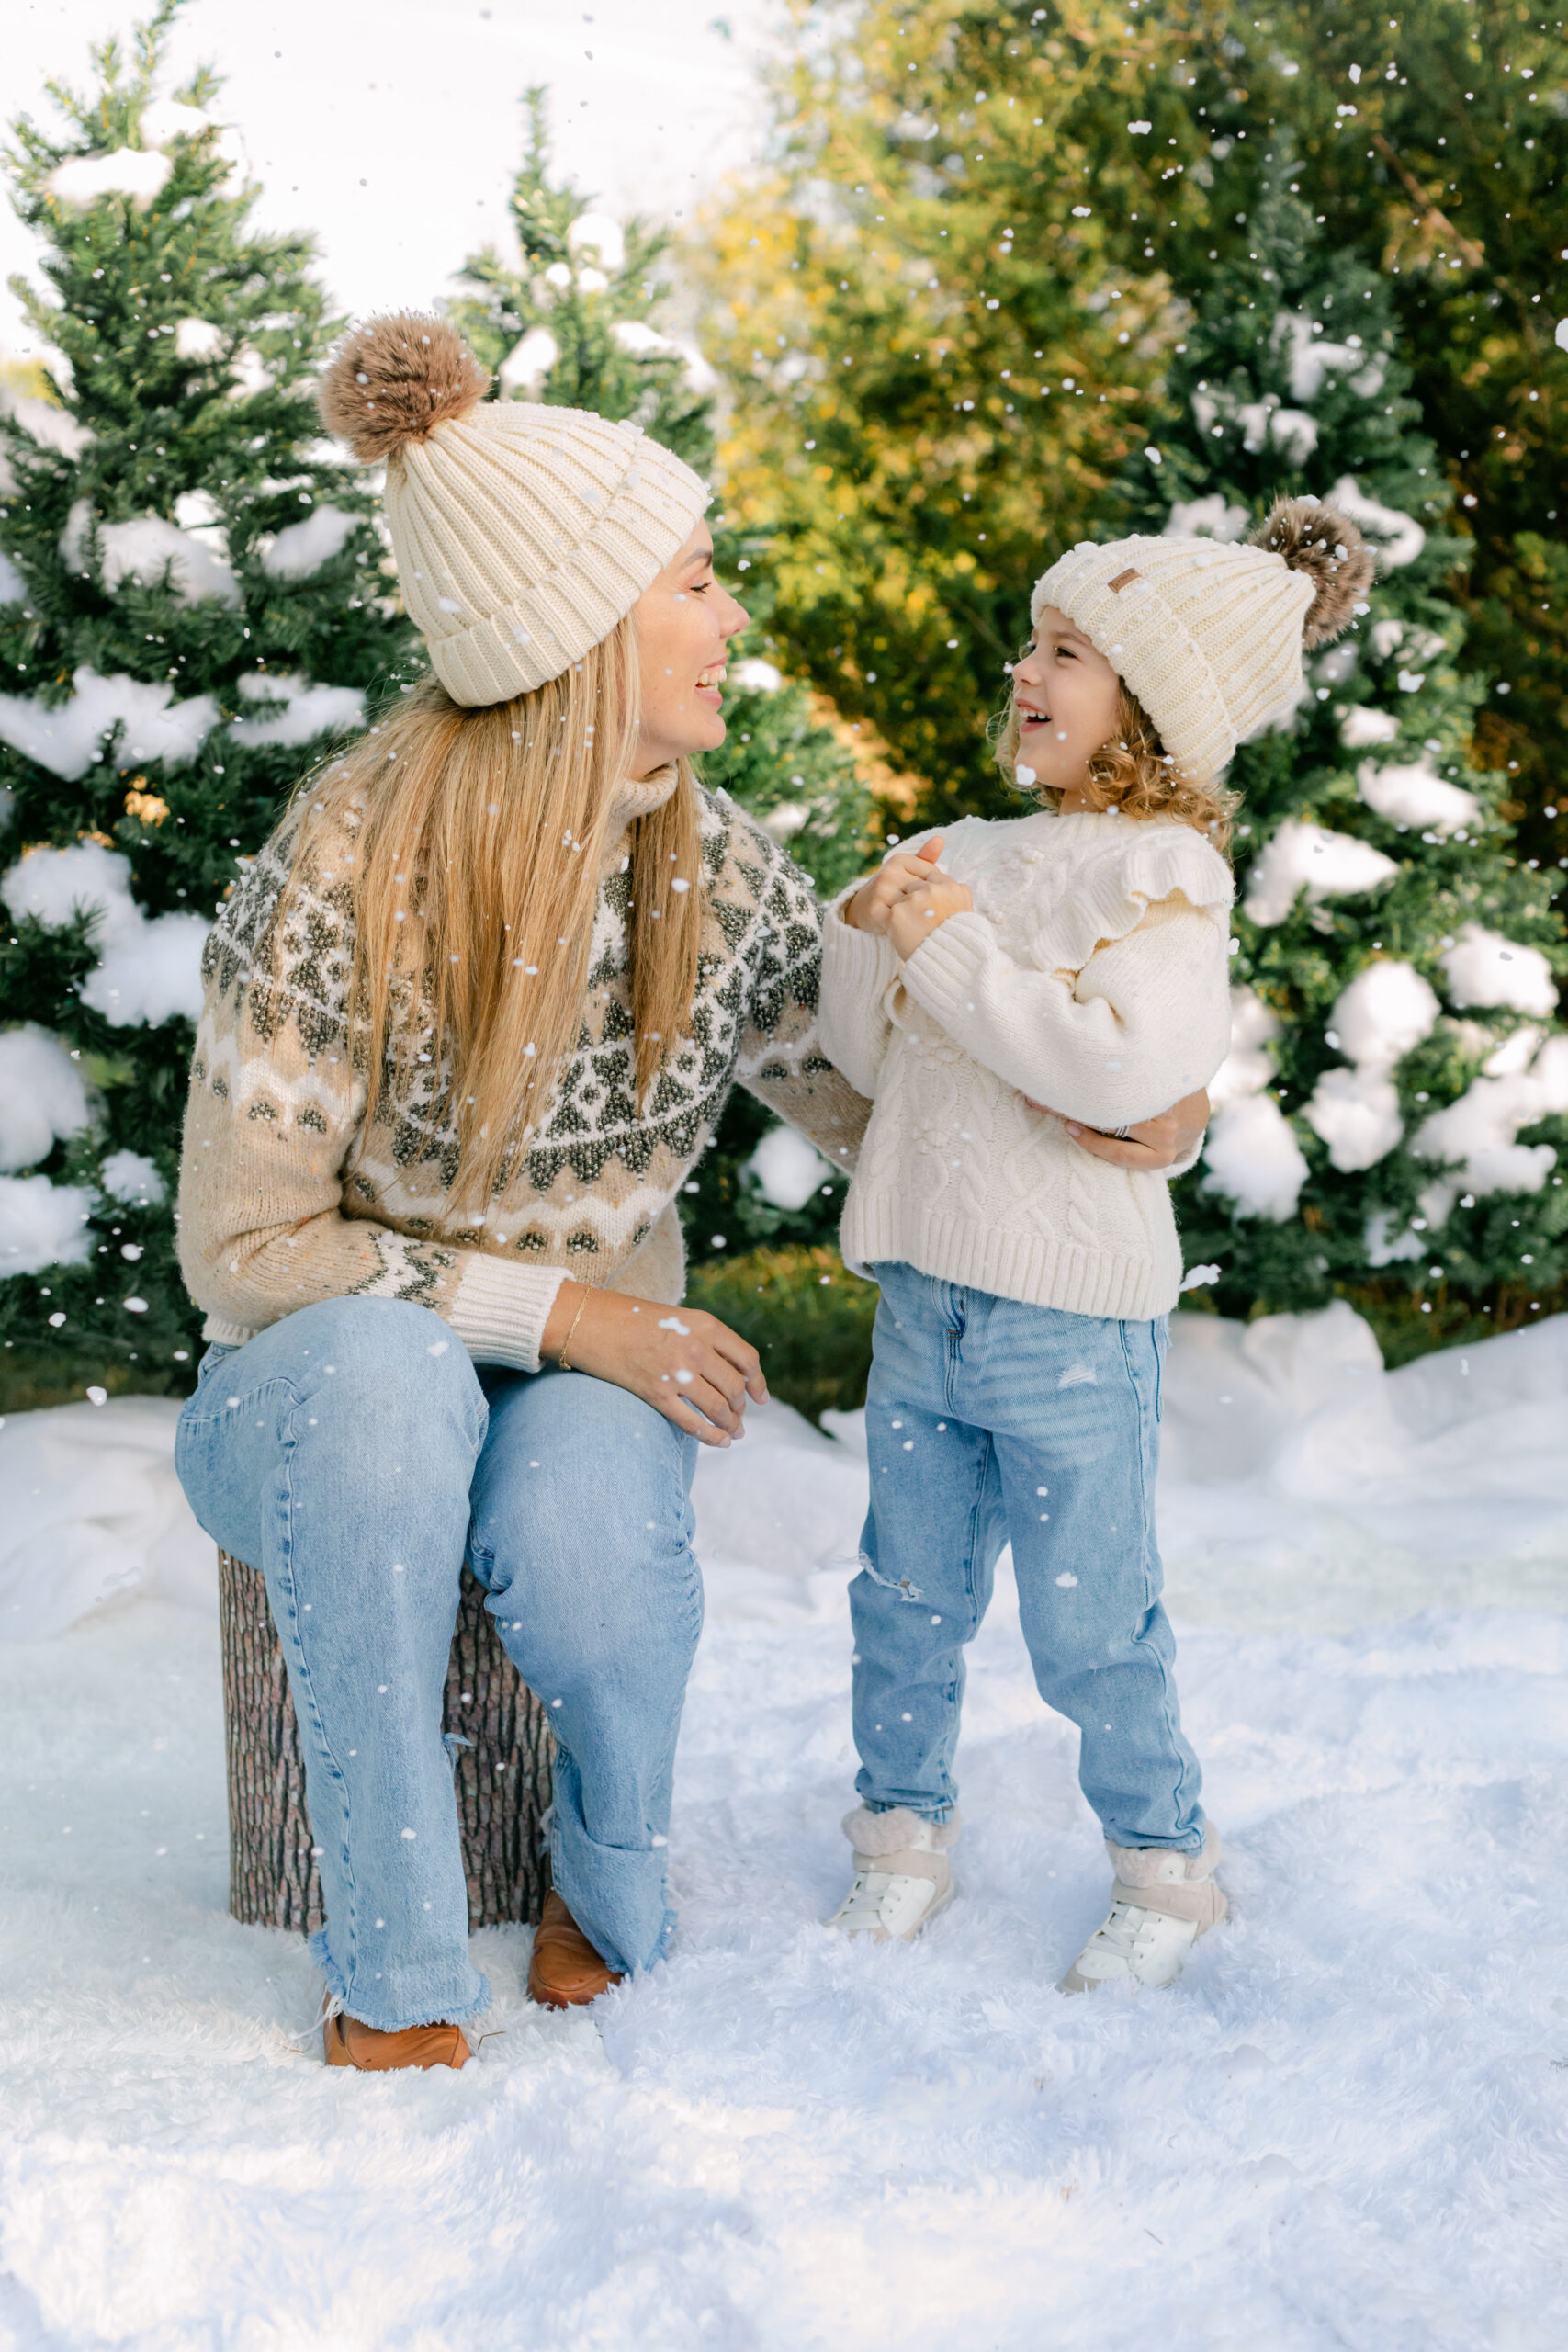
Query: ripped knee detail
{"x":905,"y":1586}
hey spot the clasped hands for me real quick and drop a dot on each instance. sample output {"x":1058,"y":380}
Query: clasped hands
{"x":906,"y":900}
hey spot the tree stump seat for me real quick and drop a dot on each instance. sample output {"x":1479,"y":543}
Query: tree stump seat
{"x":502,"y":1781}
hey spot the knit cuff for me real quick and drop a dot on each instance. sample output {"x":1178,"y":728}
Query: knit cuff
{"x":857,"y":965}
{"x":946,"y":965}
{"x":499,"y":1310}
{"x":1180,"y":1167}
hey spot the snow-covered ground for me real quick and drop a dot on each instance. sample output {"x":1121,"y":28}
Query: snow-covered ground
{"x":1347,"y":2126}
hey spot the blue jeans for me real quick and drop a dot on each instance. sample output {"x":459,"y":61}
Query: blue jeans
{"x":988,"y":1420}
{"x":353,"y":1454}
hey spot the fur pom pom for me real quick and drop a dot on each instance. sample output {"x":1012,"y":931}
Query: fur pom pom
{"x":394,"y":380}
{"x":1321,"y":542}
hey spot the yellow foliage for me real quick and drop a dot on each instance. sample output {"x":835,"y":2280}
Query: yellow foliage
{"x":939,"y":345}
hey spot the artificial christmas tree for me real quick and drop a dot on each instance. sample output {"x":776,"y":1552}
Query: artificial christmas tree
{"x":1389,"y":1120}
{"x":191,"y":611}
{"x":569,"y":320}
{"x":1437,"y":139}
{"x":579,"y":320}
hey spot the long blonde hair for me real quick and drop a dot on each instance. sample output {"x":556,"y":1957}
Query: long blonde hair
{"x":1132,"y":772}
{"x":478,"y":837}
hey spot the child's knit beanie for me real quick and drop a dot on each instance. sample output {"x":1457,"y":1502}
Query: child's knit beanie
{"x":1209,"y":635}
{"x":522,"y":534}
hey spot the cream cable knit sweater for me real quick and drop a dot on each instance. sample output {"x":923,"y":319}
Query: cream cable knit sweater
{"x":1092,"y":975}
{"x":287,"y":1198}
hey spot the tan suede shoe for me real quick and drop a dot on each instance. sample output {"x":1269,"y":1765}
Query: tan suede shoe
{"x":564,"y":1970}
{"x":371,"y":2051}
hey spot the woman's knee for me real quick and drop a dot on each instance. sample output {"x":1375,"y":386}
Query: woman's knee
{"x":602,"y":1627}
{"x":385,"y":1359}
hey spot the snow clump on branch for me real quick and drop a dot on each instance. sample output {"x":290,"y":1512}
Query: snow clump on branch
{"x":1251,"y":1154}
{"x":42,"y":1098}
{"x":304,"y":546}
{"x":43,"y":1225}
{"x":307,"y":710}
{"x":1478,"y":1134}
{"x":131,"y":1177}
{"x":1384,"y":1013}
{"x":143,"y":549}
{"x":1417,"y":795}
{"x":149,"y":967}
{"x":1325,"y":864}
{"x":135,"y":172}
{"x":68,"y":738}
{"x":1484,"y":968}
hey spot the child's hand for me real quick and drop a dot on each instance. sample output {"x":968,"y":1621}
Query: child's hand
{"x":924,"y":906}
{"x":873,"y":903}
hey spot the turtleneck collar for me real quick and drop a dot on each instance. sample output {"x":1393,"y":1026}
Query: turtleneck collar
{"x":639,"y":796}
{"x":633,"y":797}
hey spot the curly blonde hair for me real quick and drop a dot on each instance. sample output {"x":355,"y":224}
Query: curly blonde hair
{"x":1132,"y":772}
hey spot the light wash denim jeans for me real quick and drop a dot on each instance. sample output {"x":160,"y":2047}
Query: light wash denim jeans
{"x":987,"y":1419}
{"x":353,"y":1454}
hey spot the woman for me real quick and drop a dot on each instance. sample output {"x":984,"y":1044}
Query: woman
{"x":469,"y":1021}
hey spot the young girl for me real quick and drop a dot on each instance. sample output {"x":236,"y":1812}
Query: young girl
{"x":1076,"y":956}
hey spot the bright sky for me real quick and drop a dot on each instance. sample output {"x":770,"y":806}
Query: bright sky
{"x":393,"y":130}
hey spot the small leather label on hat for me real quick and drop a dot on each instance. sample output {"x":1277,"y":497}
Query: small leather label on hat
{"x":1122,"y":580}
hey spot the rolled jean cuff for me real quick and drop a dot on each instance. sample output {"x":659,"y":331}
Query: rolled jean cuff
{"x":938,"y":1815}
{"x":423,"y":2007}
{"x":615,"y":1893}
{"x":1191,"y":1842}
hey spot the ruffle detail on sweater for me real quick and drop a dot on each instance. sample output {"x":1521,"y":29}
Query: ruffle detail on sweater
{"x":1109,"y":895}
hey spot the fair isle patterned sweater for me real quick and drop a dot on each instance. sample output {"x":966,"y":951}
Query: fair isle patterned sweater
{"x":287,"y":1198}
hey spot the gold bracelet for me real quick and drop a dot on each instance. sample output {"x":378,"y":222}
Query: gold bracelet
{"x":561,"y":1363}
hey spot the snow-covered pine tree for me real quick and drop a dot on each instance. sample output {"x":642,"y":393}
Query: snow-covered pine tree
{"x":1388,"y":1121}
{"x":188,"y":612}
{"x":579,"y":319}
{"x":569,"y":318}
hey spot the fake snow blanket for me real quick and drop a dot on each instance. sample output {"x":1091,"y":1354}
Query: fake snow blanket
{"x":1345,"y":2125}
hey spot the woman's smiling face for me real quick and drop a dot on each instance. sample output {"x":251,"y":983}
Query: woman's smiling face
{"x":685,"y":623}
{"x":1067,"y":695}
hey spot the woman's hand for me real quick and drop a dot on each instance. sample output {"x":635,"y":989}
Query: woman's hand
{"x":1153,"y":1143}
{"x":687,"y":1365}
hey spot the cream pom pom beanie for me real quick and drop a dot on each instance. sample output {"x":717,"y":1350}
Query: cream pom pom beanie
{"x":522,"y":534}
{"x":1209,"y":635}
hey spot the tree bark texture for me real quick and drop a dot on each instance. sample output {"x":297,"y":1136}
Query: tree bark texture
{"x":502,"y":1781}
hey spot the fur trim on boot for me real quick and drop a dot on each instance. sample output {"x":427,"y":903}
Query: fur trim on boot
{"x":902,"y":1873}
{"x":1161,"y":1903}
{"x":1148,"y":1876}
{"x":897,"y":1831}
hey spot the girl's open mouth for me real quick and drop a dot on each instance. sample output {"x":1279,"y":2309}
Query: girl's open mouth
{"x":1028,"y":717}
